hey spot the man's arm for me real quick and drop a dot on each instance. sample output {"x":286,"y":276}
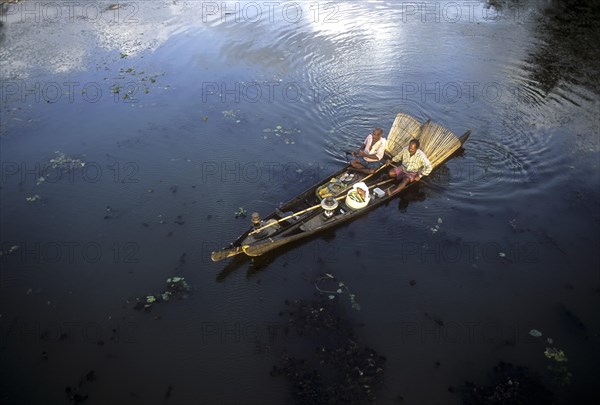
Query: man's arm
{"x":425,"y":166}
{"x":363,"y":147}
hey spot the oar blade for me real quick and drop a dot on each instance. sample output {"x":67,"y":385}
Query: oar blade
{"x":225,"y":253}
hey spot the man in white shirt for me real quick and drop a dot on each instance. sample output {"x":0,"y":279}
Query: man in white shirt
{"x":415,"y":165}
{"x":370,"y":155}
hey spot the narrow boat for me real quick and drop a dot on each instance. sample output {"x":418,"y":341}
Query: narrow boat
{"x":344,"y":195}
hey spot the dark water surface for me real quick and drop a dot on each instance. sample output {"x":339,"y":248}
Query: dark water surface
{"x":183,"y":114}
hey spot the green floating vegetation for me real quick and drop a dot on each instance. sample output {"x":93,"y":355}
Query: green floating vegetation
{"x":555,"y":354}
{"x":279,"y":131}
{"x":535,"y":333}
{"x":342,"y":288}
{"x":131,"y":88}
{"x":60,"y":163}
{"x":34,"y":198}
{"x":240,"y":212}
{"x":177,"y":288}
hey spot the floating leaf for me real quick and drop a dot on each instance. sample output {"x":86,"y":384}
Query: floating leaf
{"x":555,"y":354}
{"x":535,"y":333}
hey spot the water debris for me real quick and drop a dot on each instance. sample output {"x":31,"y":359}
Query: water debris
{"x":75,"y":394}
{"x":177,"y":288}
{"x":341,"y":286}
{"x":555,"y":354}
{"x":109,"y":212}
{"x":439,"y":220}
{"x":241,"y":212}
{"x":510,"y":385}
{"x":34,"y":198}
{"x":279,"y":131}
{"x":61,"y":164}
{"x":130,"y":88}
{"x":341,"y":369}
{"x":230,"y":114}
{"x":179,"y":220}
{"x":535,"y":333}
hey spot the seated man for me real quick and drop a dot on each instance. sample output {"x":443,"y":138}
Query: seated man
{"x":371,"y":153}
{"x":415,"y":166}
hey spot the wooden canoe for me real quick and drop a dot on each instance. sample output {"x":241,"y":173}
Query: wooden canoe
{"x":303,"y":215}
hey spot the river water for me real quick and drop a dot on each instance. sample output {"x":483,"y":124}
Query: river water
{"x":183,"y":112}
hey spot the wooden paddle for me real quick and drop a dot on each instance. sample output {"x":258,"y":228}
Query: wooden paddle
{"x":225,"y":253}
{"x":314,"y":206}
{"x":304,"y":211}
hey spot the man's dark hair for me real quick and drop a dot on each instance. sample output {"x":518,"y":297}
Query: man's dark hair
{"x":416,"y":142}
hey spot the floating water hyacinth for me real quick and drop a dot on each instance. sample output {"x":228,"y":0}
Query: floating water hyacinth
{"x":35,"y":198}
{"x":230,"y":114}
{"x":61,"y":163}
{"x":555,"y":354}
{"x":535,"y":333}
{"x":240,"y":213}
{"x":340,"y":290}
{"x":177,"y":287}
